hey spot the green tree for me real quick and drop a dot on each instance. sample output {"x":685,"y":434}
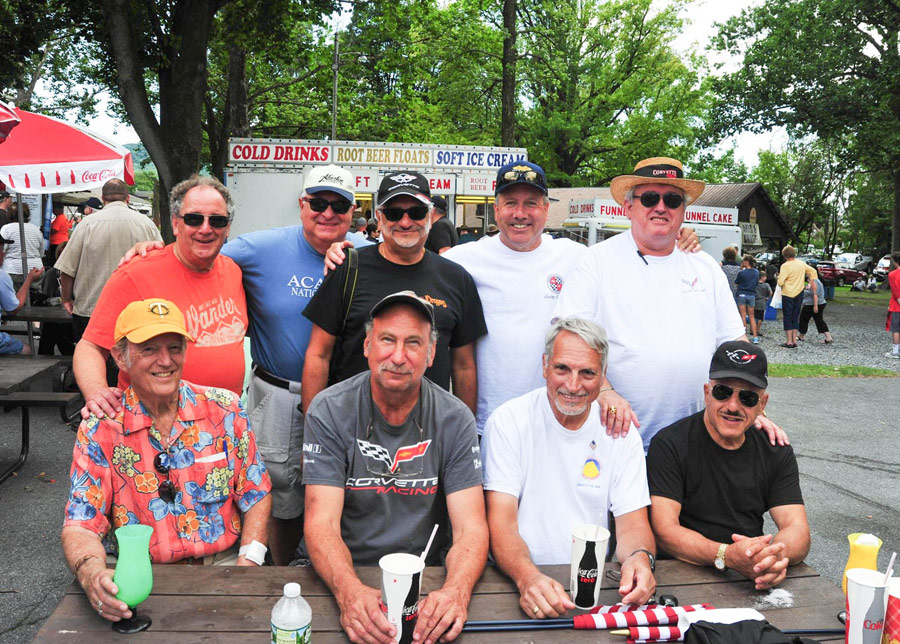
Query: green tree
{"x":824,"y":67}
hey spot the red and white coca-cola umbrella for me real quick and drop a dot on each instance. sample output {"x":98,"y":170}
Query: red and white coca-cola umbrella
{"x":8,"y":120}
{"x":45,"y":155}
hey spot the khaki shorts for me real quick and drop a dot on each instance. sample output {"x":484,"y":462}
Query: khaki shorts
{"x":277,"y":425}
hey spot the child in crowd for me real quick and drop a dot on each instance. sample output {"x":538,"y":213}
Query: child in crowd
{"x":763,"y":293}
{"x":745,"y":284}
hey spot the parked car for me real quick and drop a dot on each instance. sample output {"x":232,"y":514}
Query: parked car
{"x":809,"y":260}
{"x":831,"y":273}
{"x":856,"y":261}
{"x":883,"y":268}
{"x":763,"y":259}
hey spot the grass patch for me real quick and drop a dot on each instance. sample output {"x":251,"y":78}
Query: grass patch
{"x":878,"y":299}
{"x":827,"y":371}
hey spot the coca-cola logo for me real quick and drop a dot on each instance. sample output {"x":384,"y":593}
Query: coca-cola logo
{"x":411,"y":612}
{"x":90,"y":177}
{"x":873,"y":626}
{"x":588,"y":575}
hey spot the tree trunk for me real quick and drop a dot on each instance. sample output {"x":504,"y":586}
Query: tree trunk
{"x":174,"y":142}
{"x":236,"y":120}
{"x":895,"y":227}
{"x":508,"y":90}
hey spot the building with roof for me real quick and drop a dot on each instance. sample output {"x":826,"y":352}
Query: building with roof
{"x":762,"y":224}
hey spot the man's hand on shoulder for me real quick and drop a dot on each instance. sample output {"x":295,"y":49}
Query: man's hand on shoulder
{"x":638,"y":583}
{"x":616,"y":413}
{"x":334,"y":256}
{"x":140,"y":249}
{"x":544,"y":593}
{"x":442,"y":615}
{"x":687,"y":240}
{"x":105,"y":402}
{"x":362,"y":618}
{"x":773,"y":431}
{"x":758,"y":559}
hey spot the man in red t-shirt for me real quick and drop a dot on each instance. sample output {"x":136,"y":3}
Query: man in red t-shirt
{"x":893,"y":323}
{"x":190,"y":272}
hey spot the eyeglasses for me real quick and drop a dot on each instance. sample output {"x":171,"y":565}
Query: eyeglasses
{"x":338,"y":206}
{"x":651,"y":198}
{"x":195,"y":220}
{"x":167,"y":490}
{"x":531,"y":176}
{"x":416,"y":213}
{"x":747,"y":397}
{"x":409,"y":460}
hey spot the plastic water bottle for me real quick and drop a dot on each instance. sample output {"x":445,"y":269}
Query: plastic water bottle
{"x":291,"y":616}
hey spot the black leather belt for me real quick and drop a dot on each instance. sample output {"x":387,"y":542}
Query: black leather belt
{"x":265,"y":376}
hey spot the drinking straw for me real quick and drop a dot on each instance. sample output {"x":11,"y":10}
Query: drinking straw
{"x":428,"y":545}
{"x":890,"y":569}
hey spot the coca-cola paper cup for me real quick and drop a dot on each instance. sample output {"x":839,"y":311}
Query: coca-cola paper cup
{"x":401,"y":582}
{"x":891,"y":633}
{"x":588,"y":554}
{"x":866,"y":601}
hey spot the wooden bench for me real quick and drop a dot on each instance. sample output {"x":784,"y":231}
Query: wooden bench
{"x":68,"y":403}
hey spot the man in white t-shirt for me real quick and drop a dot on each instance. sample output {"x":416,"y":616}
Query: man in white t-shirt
{"x":665,"y":311}
{"x":519,"y":274}
{"x":549,"y":464}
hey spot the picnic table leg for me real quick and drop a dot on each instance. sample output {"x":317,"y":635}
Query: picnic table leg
{"x":26,"y":430}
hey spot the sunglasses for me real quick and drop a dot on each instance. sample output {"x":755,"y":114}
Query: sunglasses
{"x":531,"y":176}
{"x":167,"y":490}
{"x":651,"y":198}
{"x":416,"y":213}
{"x":195,"y":220}
{"x":724,"y":392}
{"x":338,"y":207}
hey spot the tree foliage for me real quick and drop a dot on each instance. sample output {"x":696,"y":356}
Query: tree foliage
{"x":824,"y":67}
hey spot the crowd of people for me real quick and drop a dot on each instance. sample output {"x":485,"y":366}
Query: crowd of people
{"x":477,"y":386}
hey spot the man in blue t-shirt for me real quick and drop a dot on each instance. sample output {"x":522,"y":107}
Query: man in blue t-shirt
{"x":282,"y":270}
{"x":11,"y":301}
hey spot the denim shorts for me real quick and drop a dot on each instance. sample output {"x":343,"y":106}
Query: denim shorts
{"x":743,"y":299}
{"x":9,"y":345}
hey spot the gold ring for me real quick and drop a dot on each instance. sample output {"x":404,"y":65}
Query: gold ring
{"x":612,"y":410}
{"x":536,"y":610}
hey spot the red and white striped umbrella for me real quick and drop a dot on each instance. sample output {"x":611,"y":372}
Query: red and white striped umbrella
{"x":45,"y":155}
{"x":8,"y":120}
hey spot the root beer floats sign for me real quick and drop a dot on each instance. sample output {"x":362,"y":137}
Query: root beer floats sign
{"x":451,"y":169}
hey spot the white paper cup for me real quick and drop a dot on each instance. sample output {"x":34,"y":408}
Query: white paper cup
{"x":589,"y":543}
{"x":401,"y":583}
{"x":866,"y":603}
{"x":891,"y":633}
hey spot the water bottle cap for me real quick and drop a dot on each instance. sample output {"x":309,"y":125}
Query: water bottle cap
{"x":292,"y":590}
{"x":867,"y":540}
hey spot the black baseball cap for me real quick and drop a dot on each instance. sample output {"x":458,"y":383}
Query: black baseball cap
{"x":405,"y":297}
{"x":4,"y":194}
{"x":739,"y":359}
{"x":439,"y":203}
{"x":93,"y":202}
{"x":407,"y":183}
{"x":531,"y":174}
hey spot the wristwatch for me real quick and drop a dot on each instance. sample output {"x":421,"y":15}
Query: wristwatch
{"x":649,"y":556}
{"x":720,"y":557}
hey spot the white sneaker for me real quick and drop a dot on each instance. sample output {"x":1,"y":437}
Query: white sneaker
{"x":891,"y":354}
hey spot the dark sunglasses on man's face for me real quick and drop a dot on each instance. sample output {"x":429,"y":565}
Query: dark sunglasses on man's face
{"x":195,"y":220}
{"x":416,"y":213}
{"x":724,"y":392}
{"x":167,"y":490}
{"x":651,"y":198}
{"x":338,"y":206}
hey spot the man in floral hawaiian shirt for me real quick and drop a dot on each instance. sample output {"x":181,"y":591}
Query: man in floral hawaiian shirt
{"x":177,"y":456}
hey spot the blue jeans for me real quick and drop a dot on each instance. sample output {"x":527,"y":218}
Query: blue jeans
{"x":790,"y":309}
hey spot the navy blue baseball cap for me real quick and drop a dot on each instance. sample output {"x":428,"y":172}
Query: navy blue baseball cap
{"x":518,"y":172}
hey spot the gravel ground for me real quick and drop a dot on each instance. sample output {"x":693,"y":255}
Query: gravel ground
{"x":859,"y":339}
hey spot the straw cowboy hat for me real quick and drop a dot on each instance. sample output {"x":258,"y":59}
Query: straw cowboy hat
{"x":662,"y":170}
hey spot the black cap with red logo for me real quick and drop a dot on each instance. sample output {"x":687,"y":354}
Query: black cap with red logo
{"x":740,"y":359}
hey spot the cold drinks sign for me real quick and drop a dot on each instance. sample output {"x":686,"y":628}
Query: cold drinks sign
{"x":452,"y":169}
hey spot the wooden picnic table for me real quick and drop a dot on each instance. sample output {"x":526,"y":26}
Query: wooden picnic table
{"x":17,"y":372}
{"x":32,"y":314}
{"x":230,"y":604}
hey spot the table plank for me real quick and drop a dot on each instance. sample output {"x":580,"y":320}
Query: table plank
{"x":18,"y":371}
{"x":39,"y":314}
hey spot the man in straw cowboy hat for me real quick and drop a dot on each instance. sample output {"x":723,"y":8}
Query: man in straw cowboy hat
{"x":665,"y":311}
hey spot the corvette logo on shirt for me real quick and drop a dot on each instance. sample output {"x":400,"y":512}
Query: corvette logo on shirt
{"x":555,"y":283}
{"x":405,"y":453}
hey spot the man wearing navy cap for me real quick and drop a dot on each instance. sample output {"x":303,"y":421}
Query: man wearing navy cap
{"x":341,"y":306}
{"x":711,"y":480}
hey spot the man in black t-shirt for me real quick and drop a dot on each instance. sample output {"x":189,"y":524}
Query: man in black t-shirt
{"x":341,"y":306}
{"x":443,"y":235}
{"x":711,"y":480}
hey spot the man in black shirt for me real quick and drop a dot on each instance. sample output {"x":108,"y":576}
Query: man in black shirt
{"x":443,"y":235}
{"x":341,"y":306}
{"x":711,"y":480}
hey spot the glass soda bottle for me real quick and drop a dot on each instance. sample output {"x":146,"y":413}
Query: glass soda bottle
{"x":291,"y":616}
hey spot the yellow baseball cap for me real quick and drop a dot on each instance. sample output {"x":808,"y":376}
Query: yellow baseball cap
{"x":145,"y":319}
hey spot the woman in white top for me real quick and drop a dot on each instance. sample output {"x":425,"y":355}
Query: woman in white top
{"x":34,"y":246}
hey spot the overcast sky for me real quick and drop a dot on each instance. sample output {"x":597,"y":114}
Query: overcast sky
{"x":700,"y":16}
